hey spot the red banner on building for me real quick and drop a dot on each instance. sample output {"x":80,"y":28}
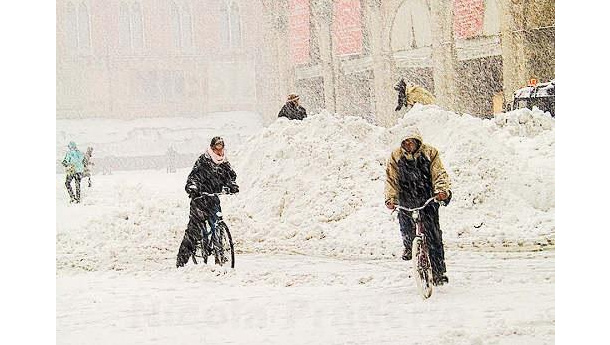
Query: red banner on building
{"x":347,"y":27}
{"x":298,"y":24}
{"x":468,"y":18}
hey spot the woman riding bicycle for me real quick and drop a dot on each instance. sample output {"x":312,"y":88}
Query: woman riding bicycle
{"x":212,"y":173}
{"x":415,"y":173}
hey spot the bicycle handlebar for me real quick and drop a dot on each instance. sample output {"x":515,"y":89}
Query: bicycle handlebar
{"x":212,"y":194}
{"x":417,"y":208}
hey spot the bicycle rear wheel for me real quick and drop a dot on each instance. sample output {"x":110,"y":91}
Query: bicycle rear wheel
{"x":226,"y":252}
{"x":421,"y":268}
{"x":201,"y":251}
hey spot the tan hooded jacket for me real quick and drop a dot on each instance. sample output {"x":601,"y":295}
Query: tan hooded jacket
{"x":440,"y":178}
{"x":417,"y":94}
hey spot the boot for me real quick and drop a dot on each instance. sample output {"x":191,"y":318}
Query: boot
{"x":407,"y":254}
{"x":439,"y":280}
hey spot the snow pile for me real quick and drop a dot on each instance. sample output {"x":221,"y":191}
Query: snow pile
{"x":525,"y":122}
{"x":316,"y":186}
{"x":128,"y":221}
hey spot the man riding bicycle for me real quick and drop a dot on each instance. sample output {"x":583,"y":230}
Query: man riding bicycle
{"x":212,"y":173}
{"x":415,"y":173}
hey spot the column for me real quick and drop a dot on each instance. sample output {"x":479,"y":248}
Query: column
{"x":443,"y":55}
{"x":322,"y":11}
{"x":383,"y":73}
{"x":513,"y":47}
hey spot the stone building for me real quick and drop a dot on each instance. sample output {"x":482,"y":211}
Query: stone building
{"x":150,"y":58}
{"x":137,"y":58}
{"x":345,"y":55}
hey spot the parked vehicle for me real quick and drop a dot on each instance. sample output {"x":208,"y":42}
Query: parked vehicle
{"x":540,"y":95}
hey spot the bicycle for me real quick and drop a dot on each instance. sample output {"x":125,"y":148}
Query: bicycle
{"x":222,"y":242}
{"x":421,"y":257}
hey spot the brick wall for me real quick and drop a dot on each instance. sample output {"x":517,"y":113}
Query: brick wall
{"x":468,"y":18}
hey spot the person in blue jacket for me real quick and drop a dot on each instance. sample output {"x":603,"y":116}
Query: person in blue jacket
{"x":73,"y":162}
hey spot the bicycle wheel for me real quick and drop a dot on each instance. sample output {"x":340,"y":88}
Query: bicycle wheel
{"x":421,"y":268}
{"x":202,"y":249}
{"x":226,"y":252}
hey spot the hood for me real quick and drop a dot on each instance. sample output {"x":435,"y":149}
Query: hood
{"x":412,"y":133}
{"x":72,"y":145}
{"x":400,"y":86}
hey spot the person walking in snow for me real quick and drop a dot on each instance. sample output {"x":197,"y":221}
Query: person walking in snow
{"x":212,"y":173}
{"x":171,"y":159}
{"x":415,"y":173}
{"x":73,"y":162}
{"x":293,"y":109}
{"x":408,"y":96}
{"x":88,"y":164}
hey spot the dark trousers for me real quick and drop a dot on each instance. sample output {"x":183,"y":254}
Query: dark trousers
{"x":434,"y":234}
{"x":201,"y":211}
{"x":77,"y":178}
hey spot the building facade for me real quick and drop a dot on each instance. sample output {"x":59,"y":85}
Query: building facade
{"x":137,"y":58}
{"x":346,"y":55}
{"x":150,"y":58}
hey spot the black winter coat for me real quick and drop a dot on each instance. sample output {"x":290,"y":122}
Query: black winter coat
{"x":292,"y":111}
{"x":209,"y":177}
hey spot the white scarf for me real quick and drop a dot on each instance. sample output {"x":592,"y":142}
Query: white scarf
{"x":218,"y":159}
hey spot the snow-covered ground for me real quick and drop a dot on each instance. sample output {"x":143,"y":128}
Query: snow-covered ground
{"x":152,"y":136}
{"x":317,"y":250}
{"x":493,"y":298}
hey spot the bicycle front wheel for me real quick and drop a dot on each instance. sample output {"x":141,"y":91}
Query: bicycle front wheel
{"x":421,"y":268}
{"x":226,"y":253}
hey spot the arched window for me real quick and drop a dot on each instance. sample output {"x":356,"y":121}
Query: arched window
{"x":235,"y":24}
{"x":176,"y":31}
{"x":225,"y":26}
{"x":137,"y":27}
{"x":230,"y":31}
{"x":71,"y":28}
{"x":187,"y":28}
{"x":78,"y":27}
{"x":124,"y":27}
{"x":411,"y":27}
{"x":131,"y":28}
{"x":84,"y":31}
{"x":182,"y":26}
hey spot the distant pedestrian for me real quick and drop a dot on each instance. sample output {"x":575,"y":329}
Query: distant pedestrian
{"x":408,"y":96}
{"x":73,"y":162}
{"x":171,"y":159}
{"x":293,"y":109}
{"x":88,"y":163}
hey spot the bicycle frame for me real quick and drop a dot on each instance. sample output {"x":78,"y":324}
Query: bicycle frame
{"x":415,"y":215}
{"x":208,"y":234}
{"x":218,"y":214}
{"x":421,"y":259}
{"x":419,"y":231}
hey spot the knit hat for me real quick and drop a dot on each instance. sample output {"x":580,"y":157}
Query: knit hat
{"x":293,"y":97}
{"x":217,"y":140}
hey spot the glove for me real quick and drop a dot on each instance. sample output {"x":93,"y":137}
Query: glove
{"x":233,"y":188}
{"x":390,"y":205}
{"x":443,"y":197}
{"x":191,"y":190}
